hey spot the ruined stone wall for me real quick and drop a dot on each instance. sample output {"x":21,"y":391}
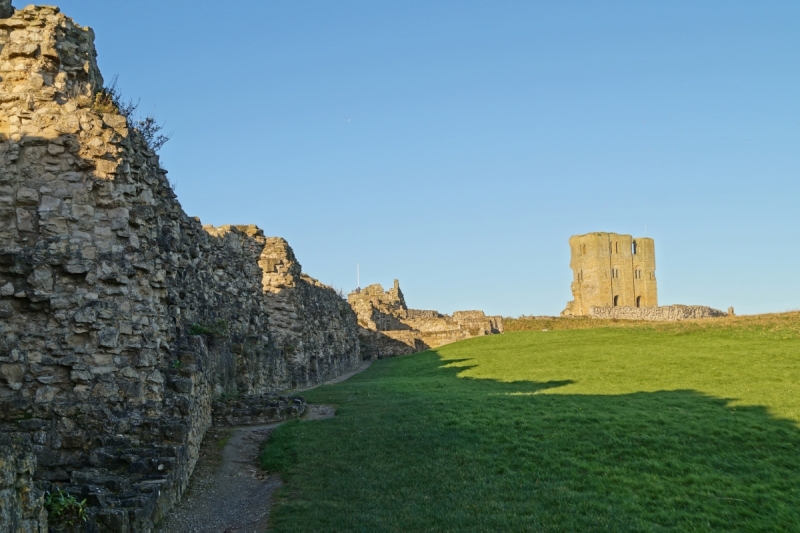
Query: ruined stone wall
{"x":121,"y":318}
{"x":610,"y":270}
{"x":477,"y":323}
{"x":387,"y":327}
{"x":665,"y":313}
{"x":257,"y":410}
{"x":380,"y":310}
{"x":313,"y":327}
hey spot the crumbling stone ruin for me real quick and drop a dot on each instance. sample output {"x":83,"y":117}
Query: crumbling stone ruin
{"x":121,"y":318}
{"x":310,"y":324}
{"x":388,"y":327}
{"x":611,"y":270}
{"x":256,"y":410}
{"x":614,"y":276}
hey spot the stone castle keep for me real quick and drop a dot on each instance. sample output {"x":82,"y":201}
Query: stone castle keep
{"x":611,"y":270}
{"x":614,"y":277}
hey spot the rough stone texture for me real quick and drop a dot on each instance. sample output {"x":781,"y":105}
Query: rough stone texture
{"x":256,"y":410}
{"x":387,"y":327}
{"x":664,"y":313}
{"x":21,"y":503}
{"x":121,"y":318}
{"x":312,"y":326}
{"x":611,"y":270}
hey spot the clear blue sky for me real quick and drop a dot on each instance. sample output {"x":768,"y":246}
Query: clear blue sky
{"x":457,"y":145}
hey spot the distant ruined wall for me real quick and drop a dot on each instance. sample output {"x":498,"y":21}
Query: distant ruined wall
{"x":387,"y":327}
{"x":664,"y":313}
{"x":380,"y":310}
{"x":121,"y":318}
{"x":611,"y":270}
{"x":477,"y":323}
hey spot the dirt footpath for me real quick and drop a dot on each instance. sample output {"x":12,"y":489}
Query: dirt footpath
{"x":228,"y":491}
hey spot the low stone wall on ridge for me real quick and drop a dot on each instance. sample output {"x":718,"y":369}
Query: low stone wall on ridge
{"x":664,"y":313}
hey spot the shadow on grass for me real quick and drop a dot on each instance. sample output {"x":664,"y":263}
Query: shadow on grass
{"x":414,"y":447}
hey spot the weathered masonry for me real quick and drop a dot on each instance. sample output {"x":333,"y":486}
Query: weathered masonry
{"x":123,"y":321}
{"x":388,"y":327}
{"x":611,"y":270}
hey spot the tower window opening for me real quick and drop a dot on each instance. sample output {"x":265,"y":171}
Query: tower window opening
{"x":616,"y":247}
{"x":616,"y":301}
{"x":638,"y":301}
{"x":633,"y":247}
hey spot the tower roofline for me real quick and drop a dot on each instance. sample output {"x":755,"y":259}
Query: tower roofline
{"x":604,"y":233}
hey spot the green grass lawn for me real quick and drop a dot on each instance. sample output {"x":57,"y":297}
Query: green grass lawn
{"x":642,"y":428}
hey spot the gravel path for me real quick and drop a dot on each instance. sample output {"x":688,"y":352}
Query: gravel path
{"x":228,"y":491}
{"x":235,"y":495}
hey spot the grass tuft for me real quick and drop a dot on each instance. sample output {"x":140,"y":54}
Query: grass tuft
{"x":64,"y":510}
{"x":279,"y":453}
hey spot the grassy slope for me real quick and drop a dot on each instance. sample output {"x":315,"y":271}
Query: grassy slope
{"x":615,"y":429}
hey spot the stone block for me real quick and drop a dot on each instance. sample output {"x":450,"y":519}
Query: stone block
{"x":108,"y":337}
{"x":27,"y":197}
{"x":181,"y":385}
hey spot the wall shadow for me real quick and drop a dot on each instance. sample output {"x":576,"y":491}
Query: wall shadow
{"x":649,"y":460}
{"x":490,"y":455}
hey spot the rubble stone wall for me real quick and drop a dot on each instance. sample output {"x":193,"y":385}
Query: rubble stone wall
{"x":387,"y":327}
{"x":257,"y":410}
{"x":122,"y":318}
{"x":663,"y":313}
{"x":312,"y":326}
